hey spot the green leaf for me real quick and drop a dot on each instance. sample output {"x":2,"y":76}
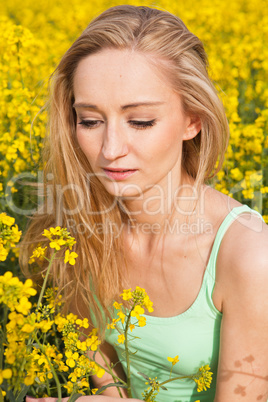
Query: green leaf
{"x":10,"y":395}
{"x":116,"y":384}
{"x":74,"y":397}
{"x":144,"y":376}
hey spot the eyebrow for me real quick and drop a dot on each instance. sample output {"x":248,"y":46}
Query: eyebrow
{"x":124,"y":107}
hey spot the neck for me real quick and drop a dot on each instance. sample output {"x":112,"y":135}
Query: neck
{"x":172,"y":203}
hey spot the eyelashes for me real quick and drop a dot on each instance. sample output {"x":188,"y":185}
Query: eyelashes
{"x":142,"y":124}
{"x":138,"y":124}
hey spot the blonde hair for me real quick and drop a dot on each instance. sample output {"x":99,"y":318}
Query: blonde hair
{"x":181,"y":54}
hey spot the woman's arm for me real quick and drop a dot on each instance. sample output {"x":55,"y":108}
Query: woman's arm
{"x":110,"y":357}
{"x":243,"y":280}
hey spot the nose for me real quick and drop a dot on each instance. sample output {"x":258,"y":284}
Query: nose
{"x":115,"y":144}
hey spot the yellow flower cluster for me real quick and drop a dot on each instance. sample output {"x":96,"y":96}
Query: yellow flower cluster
{"x":41,"y":364}
{"x":76,"y":352}
{"x":138,"y":300}
{"x":139,"y":297}
{"x":41,"y":342}
{"x":53,"y":299}
{"x":27,"y":363}
{"x":59,"y":239}
{"x":20,"y":83}
{"x":14,"y":294}
{"x":9,"y":235}
{"x":153,"y":383}
{"x":203,"y":378}
{"x":38,"y":253}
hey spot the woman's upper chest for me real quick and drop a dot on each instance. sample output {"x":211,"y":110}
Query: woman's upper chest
{"x":173,"y":274}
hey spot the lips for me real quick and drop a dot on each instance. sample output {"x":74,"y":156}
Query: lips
{"x":119,"y":173}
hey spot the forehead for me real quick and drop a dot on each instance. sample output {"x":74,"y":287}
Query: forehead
{"x":119,"y":73}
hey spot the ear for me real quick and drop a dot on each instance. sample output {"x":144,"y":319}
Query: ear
{"x":193,"y":128}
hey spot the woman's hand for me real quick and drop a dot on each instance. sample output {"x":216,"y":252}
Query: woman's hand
{"x":31,"y":399}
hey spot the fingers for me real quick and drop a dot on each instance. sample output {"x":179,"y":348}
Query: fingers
{"x":31,"y":399}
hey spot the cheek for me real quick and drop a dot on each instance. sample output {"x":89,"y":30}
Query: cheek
{"x":168,"y":144}
{"x":88,"y":145}
{"x":83,"y":139}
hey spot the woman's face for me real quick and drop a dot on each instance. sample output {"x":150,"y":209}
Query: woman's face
{"x":130,"y":123}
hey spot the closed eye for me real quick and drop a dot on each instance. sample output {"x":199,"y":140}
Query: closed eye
{"x":90,"y":123}
{"x":138,"y":124}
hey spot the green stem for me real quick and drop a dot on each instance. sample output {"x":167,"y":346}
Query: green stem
{"x":48,"y":389}
{"x":3,"y":335}
{"x":174,"y":379}
{"x":45,"y":280}
{"x":110,"y":371}
{"x":129,"y":393}
{"x":165,"y":382}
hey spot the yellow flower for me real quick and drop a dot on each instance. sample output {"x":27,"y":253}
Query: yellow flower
{"x":15,"y":294}
{"x":27,"y":328}
{"x":69,"y":386}
{"x":28,"y":289}
{"x":121,"y":338}
{"x":6,"y":220}
{"x":57,"y":243}
{"x":70,"y":257}
{"x":100,"y":372}
{"x":203,"y":378}
{"x":71,"y":358}
{"x":7,"y":373}
{"x":38,"y":252}
{"x":24,"y":305}
{"x":112,"y":324}
{"x":93,"y":342}
{"x":29,"y":379}
{"x":45,"y":325}
{"x":83,"y":383}
{"x":81,"y":345}
{"x":82,"y":323}
{"x":148,"y":304}
{"x":127,"y":294}
{"x":137,"y":311}
{"x":117,"y":306}
{"x":3,"y":251}
{"x":142,"y":321}
{"x":173,"y":360}
{"x":121,"y":316}
{"x":59,"y":237}
{"x":15,"y":235}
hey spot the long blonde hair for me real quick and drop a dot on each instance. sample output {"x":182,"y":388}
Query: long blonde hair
{"x":182,"y":56}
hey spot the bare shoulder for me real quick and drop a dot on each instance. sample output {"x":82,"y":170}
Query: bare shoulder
{"x":243,"y":253}
{"x":242,"y":263}
{"x":245,"y":242}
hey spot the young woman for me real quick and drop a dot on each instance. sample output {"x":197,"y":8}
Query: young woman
{"x":136,"y":129}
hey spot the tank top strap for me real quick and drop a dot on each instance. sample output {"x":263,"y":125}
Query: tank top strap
{"x":232,"y":215}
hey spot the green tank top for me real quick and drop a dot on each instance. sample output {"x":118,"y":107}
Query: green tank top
{"x":194,"y":335}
